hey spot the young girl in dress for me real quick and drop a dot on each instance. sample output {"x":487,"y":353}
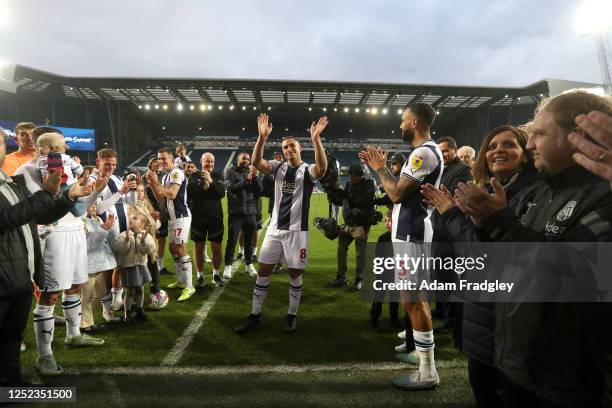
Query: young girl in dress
{"x":133,"y":246}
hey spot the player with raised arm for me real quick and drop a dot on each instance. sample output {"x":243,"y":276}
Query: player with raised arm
{"x":173,"y":190}
{"x":413,"y":223}
{"x":287,"y":235}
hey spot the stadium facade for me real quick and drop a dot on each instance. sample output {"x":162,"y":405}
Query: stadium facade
{"x":135,"y":115}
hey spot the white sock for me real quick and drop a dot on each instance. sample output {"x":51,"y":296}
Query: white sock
{"x":117,"y":294}
{"x":106,"y":302}
{"x":71,"y":306}
{"x":262,"y":285}
{"x":254,"y":251}
{"x":186,"y":271}
{"x":240,"y":250}
{"x":44,"y":326}
{"x":424,"y":344}
{"x":178,"y":270}
{"x":295,"y":293}
{"x":160,"y":263}
{"x":200,"y":274}
{"x":216,"y":272}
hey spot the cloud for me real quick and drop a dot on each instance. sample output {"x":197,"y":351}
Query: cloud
{"x":438,"y":42}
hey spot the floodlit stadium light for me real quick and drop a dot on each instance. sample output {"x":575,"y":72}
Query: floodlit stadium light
{"x":202,"y":107}
{"x":147,"y":106}
{"x":368,"y":110}
{"x":594,"y":16}
{"x":243,"y":129}
{"x":179,"y":107}
{"x":200,"y":128}
{"x":165,"y":107}
{"x":191,"y":107}
{"x":163,"y":128}
{"x":254,"y":107}
{"x":269,"y":108}
{"x":139,"y":106}
{"x":244,"y":108}
{"x":399,"y":111}
{"x":384,"y":111}
{"x":374,"y":111}
{"x":286,"y":129}
{"x":4,"y":14}
{"x":324,"y":109}
{"x":346,"y":110}
{"x":156,"y":106}
{"x":309,"y":108}
{"x":437,"y":112}
{"x":231,"y":107}
{"x":350,"y":130}
{"x":335,"y":109}
{"x":220,"y":107}
{"x":356,"y":110}
{"x":209,"y":107}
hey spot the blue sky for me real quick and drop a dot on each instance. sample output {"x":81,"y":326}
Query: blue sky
{"x":436,"y":42}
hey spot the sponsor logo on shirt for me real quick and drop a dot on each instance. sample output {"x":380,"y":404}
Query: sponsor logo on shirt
{"x":288,"y":187}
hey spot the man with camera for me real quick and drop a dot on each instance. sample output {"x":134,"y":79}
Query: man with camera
{"x":357,"y":200}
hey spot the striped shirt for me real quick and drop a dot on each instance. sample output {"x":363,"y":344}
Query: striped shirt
{"x":177,"y":207}
{"x":412,"y":220}
{"x":292,"y":189}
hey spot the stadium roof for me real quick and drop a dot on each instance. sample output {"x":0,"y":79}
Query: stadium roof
{"x":154,"y":93}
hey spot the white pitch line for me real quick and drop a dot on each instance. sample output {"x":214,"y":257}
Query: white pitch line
{"x":174,"y":355}
{"x":115,"y":394}
{"x":257,"y":369}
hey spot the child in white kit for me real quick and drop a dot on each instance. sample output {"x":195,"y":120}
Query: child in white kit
{"x":53,"y":157}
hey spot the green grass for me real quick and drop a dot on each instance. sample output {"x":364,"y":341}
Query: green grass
{"x":333,"y":327}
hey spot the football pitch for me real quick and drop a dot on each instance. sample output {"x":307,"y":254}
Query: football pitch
{"x":189,"y":355}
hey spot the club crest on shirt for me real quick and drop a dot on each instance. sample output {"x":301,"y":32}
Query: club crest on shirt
{"x":566,"y":212}
{"x":417,"y":162}
{"x":175,"y":176}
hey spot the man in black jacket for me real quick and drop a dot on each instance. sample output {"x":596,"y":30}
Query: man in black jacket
{"x":204,"y":193}
{"x":20,"y":257}
{"x":243,"y":189}
{"x":552,"y":353}
{"x":357,"y":200}
{"x":455,"y":172}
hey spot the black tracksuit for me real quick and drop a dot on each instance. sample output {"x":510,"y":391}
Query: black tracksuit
{"x":558,"y":353}
{"x":242,"y":196}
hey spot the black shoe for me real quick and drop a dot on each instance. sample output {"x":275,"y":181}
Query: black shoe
{"x":290,"y":324}
{"x":218,"y":281}
{"x":278,"y":268}
{"x":337,"y":283}
{"x":128,"y":319}
{"x":200,"y":283}
{"x":356,"y":285}
{"x":239,"y":257}
{"x":141,"y":316}
{"x":165,"y":271}
{"x":95,"y":329}
{"x":250,"y":322}
{"x":254,"y":259}
{"x":396,"y":323}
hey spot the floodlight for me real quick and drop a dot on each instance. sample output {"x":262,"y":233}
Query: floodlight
{"x":594,"y":16}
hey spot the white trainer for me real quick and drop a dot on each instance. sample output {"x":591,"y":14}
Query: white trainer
{"x":401,"y":348}
{"x":402,"y":335}
{"x":227,"y":272}
{"x":250,"y":269}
